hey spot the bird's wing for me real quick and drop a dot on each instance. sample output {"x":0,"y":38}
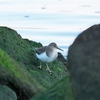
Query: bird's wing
{"x":49,"y":51}
{"x":40,"y":50}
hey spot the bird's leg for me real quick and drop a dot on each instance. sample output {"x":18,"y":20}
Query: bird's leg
{"x":40,"y":67}
{"x":48,"y":69}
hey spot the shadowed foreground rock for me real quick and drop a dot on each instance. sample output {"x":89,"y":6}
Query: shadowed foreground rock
{"x":84,"y":64}
{"x":7,"y":94}
{"x":60,"y":91}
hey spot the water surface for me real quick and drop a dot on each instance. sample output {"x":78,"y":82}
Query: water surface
{"x":45,"y":21}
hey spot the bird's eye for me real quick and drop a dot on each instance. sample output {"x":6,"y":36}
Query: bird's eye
{"x":54,"y":45}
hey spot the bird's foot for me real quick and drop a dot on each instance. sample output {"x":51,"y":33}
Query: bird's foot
{"x":40,"y":67}
{"x":50,"y":72}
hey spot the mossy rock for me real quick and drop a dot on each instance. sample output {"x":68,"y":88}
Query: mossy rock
{"x":22,"y":52}
{"x":19,"y":66}
{"x":6,"y":93}
{"x":60,"y":91}
{"x":17,"y":78}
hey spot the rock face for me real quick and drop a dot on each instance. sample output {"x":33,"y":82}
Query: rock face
{"x":60,"y":91}
{"x":19,"y":66}
{"x":62,"y":59}
{"x":84,"y":64}
{"x":6,"y":93}
{"x":17,"y":78}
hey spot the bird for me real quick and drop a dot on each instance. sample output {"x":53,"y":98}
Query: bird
{"x":47,"y":54}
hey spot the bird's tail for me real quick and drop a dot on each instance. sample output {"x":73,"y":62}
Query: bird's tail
{"x":35,"y":48}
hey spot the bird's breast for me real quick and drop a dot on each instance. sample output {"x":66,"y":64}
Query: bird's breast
{"x":43,"y":57}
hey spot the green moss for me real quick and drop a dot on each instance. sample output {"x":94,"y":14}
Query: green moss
{"x":60,"y":91}
{"x":6,"y":93}
{"x":24,"y":58}
{"x":35,"y":72}
{"x":9,"y":65}
{"x":59,"y":69}
{"x":16,"y":75}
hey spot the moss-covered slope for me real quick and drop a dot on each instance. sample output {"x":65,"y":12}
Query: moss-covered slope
{"x":21,"y":51}
{"x":17,"y":78}
{"x":60,"y":91}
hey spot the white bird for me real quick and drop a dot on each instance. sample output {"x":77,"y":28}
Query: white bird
{"x":47,"y":54}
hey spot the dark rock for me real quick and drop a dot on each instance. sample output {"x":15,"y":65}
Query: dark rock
{"x":6,"y":93}
{"x":84,"y":64}
{"x":62,"y":59}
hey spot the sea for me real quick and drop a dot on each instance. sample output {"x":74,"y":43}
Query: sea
{"x":46,"y":21}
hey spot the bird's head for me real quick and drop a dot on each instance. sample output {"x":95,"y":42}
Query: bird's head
{"x":54,"y":45}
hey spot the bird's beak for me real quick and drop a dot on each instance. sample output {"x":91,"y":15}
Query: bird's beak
{"x":60,"y":49}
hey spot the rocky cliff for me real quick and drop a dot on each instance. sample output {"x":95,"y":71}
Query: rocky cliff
{"x":20,"y":75}
{"x":84,"y":64}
